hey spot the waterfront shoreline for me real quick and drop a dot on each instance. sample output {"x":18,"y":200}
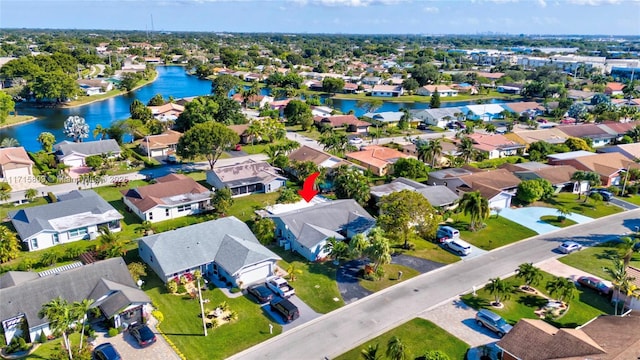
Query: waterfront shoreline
{"x":28,"y":120}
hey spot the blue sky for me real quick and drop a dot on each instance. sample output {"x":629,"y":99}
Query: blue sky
{"x":611,"y":17}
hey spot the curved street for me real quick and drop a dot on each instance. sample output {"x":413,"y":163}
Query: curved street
{"x":341,"y":330}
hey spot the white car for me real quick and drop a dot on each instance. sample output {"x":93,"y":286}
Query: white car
{"x":568,"y":247}
{"x":355,"y":141}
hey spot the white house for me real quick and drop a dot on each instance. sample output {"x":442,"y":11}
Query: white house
{"x":77,"y":215}
{"x":224,"y":249}
{"x":95,"y":86}
{"x":160,"y":145}
{"x":439,"y":117}
{"x":387,"y":91}
{"x":248,"y":177}
{"x":73,"y":154}
{"x":15,"y":164}
{"x":484,"y":112}
{"x":443,"y":90}
{"x":307,"y":230}
{"x":172,"y":196}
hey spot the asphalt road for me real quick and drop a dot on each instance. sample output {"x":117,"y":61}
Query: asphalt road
{"x":343,"y":329}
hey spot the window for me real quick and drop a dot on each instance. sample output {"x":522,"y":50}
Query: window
{"x":34,"y":243}
{"x":182,"y":208}
{"x":56,"y":239}
{"x":150,"y":216}
{"x":78,"y":232}
{"x":166,"y":212}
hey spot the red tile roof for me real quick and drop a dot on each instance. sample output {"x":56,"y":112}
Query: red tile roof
{"x":340,"y":120}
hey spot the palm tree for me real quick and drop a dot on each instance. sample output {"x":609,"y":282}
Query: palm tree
{"x":357,"y":246}
{"x":561,"y":288}
{"x":530,"y":274}
{"x":500,"y":289}
{"x":371,"y":353}
{"x":9,"y":142}
{"x":379,"y":251}
{"x":100,"y":132}
{"x":30,"y":194}
{"x":465,"y":148}
{"x":634,"y":133}
{"x":396,"y":349}
{"x":430,"y":151}
{"x":627,"y":247}
{"x":59,"y":314}
{"x":292,"y":271}
{"x":5,"y":195}
{"x":589,"y":176}
{"x":476,"y":206}
{"x":563,"y":212}
{"x":80,"y":310}
{"x":336,"y":249}
{"x":110,"y":243}
{"x":490,"y":128}
{"x":619,"y":276}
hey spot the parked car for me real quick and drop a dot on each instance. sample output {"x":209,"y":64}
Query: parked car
{"x":238,"y":147}
{"x":445,"y":233}
{"x":143,"y":335}
{"x":493,"y":322}
{"x":568,"y":247}
{"x":458,"y":246}
{"x":606,"y":194}
{"x":594,"y":284}
{"x":280,"y":286}
{"x":355,"y":141}
{"x":461,"y":125}
{"x":422,"y":126}
{"x":106,"y":351}
{"x":261,"y":293}
{"x":285,"y":308}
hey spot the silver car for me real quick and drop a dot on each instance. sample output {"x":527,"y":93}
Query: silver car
{"x":568,"y":247}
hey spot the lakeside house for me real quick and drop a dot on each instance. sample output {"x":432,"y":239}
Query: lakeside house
{"x":15,"y":164}
{"x":73,"y":154}
{"x":161,"y":145}
{"x":245,"y":178}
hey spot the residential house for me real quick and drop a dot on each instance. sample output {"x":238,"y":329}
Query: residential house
{"x":560,"y":176}
{"x":245,"y":178}
{"x":443,"y":90}
{"x":608,"y":166}
{"x":307,"y":230}
{"x":77,"y":215}
{"x":223,"y":249}
{"x":438,"y":195}
{"x":241,"y":130}
{"x":607,"y":337}
{"x":495,"y":145}
{"x":172,"y":196}
{"x":631,"y":151}
{"x":108,"y":283}
{"x":550,"y":135}
{"x":497,"y":186}
{"x":465,"y":88}
{"x":388,"y":118}
{"x":321,"y":110}
{"x":349,"y":122}
{"x":528,"y":108}
{"x":161,"y":145}
{"x":254,"y":101}
{"x":167,"y":112}
{"x":372,"y":80}
{"x":580,"y":95}
{"x":598,"y":136}
{"x":484,"y":112}
{"x":94,"y":86}
{"x":439,"y":117}
{"x":510,"y":89}
{"x":73,"y":154}
{"x":448,"y":149}
{"x":613,"y":88}
{"x":377,"y":159}
{"x":320,"y":158}
{"x":350,"y":88}
{"x":15,"y":164}
{"x":387,"y":90}
{"x":617,"y":129}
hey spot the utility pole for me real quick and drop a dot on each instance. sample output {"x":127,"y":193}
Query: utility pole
{"x":204,"y":323}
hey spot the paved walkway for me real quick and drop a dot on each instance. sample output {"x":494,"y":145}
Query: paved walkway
{"x":530,"y":217}
{"x":555,"y":267}
{"x":623,"y":203}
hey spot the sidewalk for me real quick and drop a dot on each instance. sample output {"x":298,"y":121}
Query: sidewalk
{"x":555,"y":267}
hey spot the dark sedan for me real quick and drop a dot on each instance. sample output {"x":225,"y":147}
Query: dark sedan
{"x":594,"y":284}
{"x":106,"y":351}
{"x":261,"y":293}
{"x":143,"y":335}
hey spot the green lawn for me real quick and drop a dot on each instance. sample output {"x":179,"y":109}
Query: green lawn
{"x":5,"y":208}
{"x":183,"y":325}
{"x":426,"y":99}
{"x":553,"y":220}
{"x":390,"y":277}
{"x":635,"y":199}
{"x":498,"y":232}
{"x":589,"y":208}
{"x":315,"y":284}
{"x":419,"y":336}
{"x":586,"y":305}
{"x":16,"y":119}
{"x":48,"y":349}
{"x":595,"y":259}
{"x":428,"y":250}
{"x":244,"y":207}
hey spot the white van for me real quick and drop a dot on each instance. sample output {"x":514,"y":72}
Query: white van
{"x":447,"y":232}
{"x":459,"y":246}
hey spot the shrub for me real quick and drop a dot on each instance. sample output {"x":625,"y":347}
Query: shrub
{"x":113,"y":332}
{"x":158,"y":315}
{"x":17,"y":344}
{"x":234,"y":290}
{"x":172,"y":286}
{"x":52,"y":197}
{"x":632,"y":190}
{"x":26,"y":264}
{"x":614,"y":190}
{"x":223,"y":306}
{"x":42,"y":338}
{"x":181,"y":289}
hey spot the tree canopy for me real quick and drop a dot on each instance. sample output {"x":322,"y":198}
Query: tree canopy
{"x":209,"y":139}
{"x":407,"y":212}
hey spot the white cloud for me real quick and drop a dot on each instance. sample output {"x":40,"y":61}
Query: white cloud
{"x":431,"y":10}
{"x":349,"y":3}
{"x":542,"y":3}
{"x":594,"y":2}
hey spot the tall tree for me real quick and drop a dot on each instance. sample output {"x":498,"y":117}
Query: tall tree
{"x":402,"y":213}
{"x":530,"y":274}
{"x":222,"y":200}
{"x":9,"y":245}
{"x":99,"y":132}
{"x":7,"y":105}
{"x":466,"y":149}
{"x":332,"y":85}
{"x":79,"y":310}
{"x":379,"y":250}
{"x":430,"y":151}
{"x":561,"y":288}
{"x":298,"y":112}
{"x":477,"y":207}
{"x":435,"y":103}
{"x":500,"y":289}
{"x":264,"y":229}
{"x":223,"y":84}
{"x":619,"y":276}
{"x":627,"y":246}
{"x":9,"y":142}
{"x":336,"y":249}
{"x":46,"y":140}
{"x":202,"y":109}
{"x":208,"y":139}
{"x":351,"y":184}
{"x":76,"y":128}
{"x":59,"y":314}
{"x":156,"y":100}
{"x":139,"y":111}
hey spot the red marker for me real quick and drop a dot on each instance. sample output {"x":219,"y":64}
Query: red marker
{"x":308,"y":191}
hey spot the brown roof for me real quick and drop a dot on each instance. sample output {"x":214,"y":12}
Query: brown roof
{"x":249,"y":169}
{"x":552,"y":135}
{"x":150,"y":196}
{"x":617,"y":128}
{"x":500,"y":179}
{"x":168,"y":107}
{"x":557,"y":174}
{"x":583,"y":130}
{"x":606,"y":164}
{"x":161,"y":141}
{"x":340,"y":120}
{"x":523,"y":106}
{"x":14,"y":155}
{"x":488,"y":75}
{"x":239,"y":129}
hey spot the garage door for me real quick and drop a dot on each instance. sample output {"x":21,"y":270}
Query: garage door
{"x":18,"y":172}
{"x":74,"y":162}
{"x":255,"y":275}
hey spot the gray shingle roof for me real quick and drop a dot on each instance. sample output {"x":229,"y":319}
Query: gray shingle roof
{"x":13,"y":278}
{"x":74,"y":210}
{"x":437,"y":195}
{"x":72,"y":285}
{"x":88,"y":148}
{"x":227,"y":241}
{"x":331,"y":216}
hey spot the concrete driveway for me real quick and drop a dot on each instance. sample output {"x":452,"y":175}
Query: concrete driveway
{"x":306,"y":314}
{"x":128,"y":348}
{"x":529,"y":217}
{"x":555,"y":267}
